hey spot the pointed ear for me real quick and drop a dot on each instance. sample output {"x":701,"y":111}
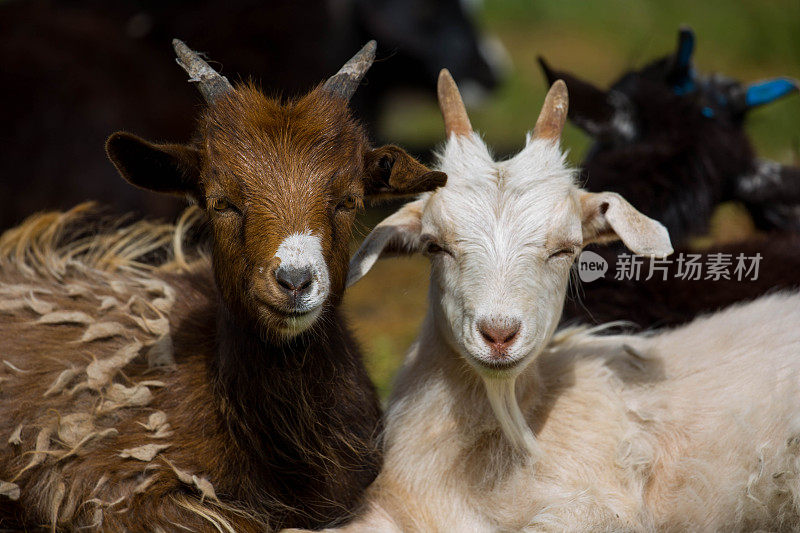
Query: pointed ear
{"x":589,"y":108}
{"x":391,"y":172}
{"x":680,"y":74}
{"x":398,"y":234}
{"x":607,"y":217}
{"x":683,"y":54}
{"x":167,"y":168}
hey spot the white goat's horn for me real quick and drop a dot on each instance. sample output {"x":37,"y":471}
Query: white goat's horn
{"x":553,"y":116}
{"x":211,"y":83}
{"x":345,"y":82}
{"x":456,"y":121}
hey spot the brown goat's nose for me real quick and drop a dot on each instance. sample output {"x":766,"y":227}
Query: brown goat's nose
{"x":499,"y":334}
{"x":294,"y":280}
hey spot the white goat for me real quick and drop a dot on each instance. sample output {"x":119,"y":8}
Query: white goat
{"x":497,"y":424}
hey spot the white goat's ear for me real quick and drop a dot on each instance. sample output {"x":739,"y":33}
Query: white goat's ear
{"x":398,"y":234}
{"x":607,"y":216}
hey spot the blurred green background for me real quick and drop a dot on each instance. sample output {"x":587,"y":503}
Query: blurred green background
{"x":747,"y":40}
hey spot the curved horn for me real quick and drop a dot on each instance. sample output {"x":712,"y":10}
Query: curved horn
{"x":551,"y":119}
{"x":345,"y":82}
{"x":456,"y":121}
{"x":210,"y":82}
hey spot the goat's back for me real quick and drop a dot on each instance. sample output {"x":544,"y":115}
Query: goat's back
{"x":704,"y":418}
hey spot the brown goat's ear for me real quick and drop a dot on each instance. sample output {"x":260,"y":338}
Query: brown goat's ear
{"x":167,"y":168}
{"x":398,"y":234}
{"x":390,"y":171}
{"x":607,"y":217}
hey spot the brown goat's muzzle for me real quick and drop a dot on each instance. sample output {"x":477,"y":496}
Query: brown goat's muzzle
{"x":293,"y":286}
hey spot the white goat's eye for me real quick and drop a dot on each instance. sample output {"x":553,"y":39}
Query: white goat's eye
{"x":431,"y":247}
{"x":562,"y":253}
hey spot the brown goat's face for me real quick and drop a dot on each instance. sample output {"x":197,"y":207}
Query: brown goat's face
{"x":281,"y":189}
{"x":281,"y":184}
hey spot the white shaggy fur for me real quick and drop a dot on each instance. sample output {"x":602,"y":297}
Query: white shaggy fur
{"x":697,"y":428}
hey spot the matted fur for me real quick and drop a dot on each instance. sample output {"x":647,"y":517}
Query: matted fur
{"x":89,"y":378}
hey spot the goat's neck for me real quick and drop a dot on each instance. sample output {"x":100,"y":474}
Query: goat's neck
{"x":478,"y":406}
{"x":301,"y":415}
{"x":262,"y":384}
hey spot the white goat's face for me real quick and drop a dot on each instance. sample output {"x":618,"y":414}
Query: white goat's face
{"x":501,"y":237}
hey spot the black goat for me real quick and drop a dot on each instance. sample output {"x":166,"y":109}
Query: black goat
{"x":672,"y":142}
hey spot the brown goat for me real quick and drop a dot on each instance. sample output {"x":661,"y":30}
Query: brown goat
{"x":224,"y":393}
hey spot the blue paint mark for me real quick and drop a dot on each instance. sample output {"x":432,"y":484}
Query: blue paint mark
{"x":764,"y":92}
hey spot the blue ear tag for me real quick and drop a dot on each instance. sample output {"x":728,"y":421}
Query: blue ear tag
{"x":707,"y":112}
{"x":764,"y":92}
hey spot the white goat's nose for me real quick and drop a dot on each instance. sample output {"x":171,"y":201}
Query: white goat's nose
{"x":499,"y":332}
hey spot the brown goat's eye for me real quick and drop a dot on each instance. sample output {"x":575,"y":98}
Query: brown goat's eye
{"x":221,"y":205}
{"x":348,"y":204}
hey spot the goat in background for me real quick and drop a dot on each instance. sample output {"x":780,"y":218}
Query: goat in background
{"x":669,"y":298}
{"x":672,"y":142}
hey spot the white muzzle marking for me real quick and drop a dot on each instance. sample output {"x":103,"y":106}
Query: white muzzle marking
{"x":304,"y":251}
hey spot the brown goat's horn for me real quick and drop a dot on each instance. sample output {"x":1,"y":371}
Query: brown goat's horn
{"x":456,"y":121}
{"x":210,"y":82}
{"x":553,"y":116}
{"x":345,"y":82}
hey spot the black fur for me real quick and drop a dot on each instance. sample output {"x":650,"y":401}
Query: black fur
{"x":673,"y":144}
